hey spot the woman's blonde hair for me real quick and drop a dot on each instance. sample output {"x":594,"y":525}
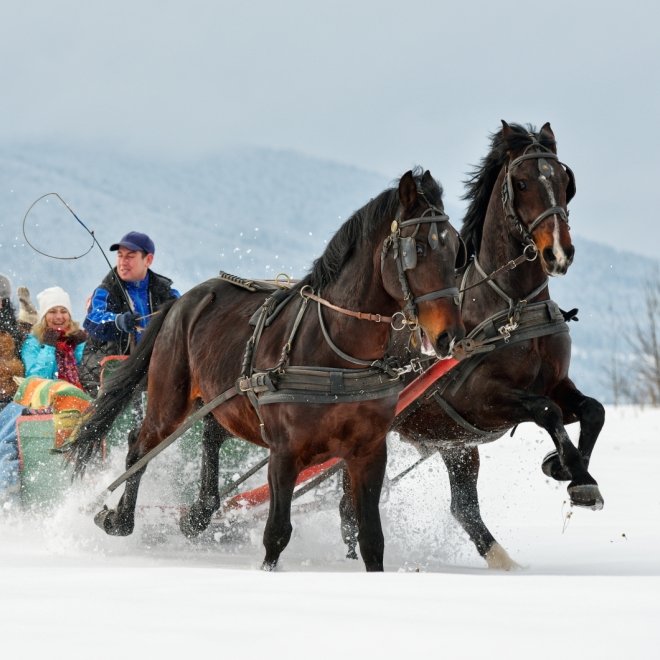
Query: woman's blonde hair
{"x":39,"y":328}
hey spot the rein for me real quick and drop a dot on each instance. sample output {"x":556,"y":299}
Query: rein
{"x":190,"y":421}
{"x":510,"y":265}
{"x":363,"y":316}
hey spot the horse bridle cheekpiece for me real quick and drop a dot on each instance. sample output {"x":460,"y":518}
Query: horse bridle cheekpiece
{"x":404,"y":252}
{"x":542,"y":154}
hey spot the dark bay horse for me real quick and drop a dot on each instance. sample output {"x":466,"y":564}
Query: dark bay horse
{"x":395,"y":256}
{"x":517,"y":214}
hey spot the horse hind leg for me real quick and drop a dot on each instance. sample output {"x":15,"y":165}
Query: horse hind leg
{"x":591,"y":415}
{"x":583,"y":489}
{"x":282,"y":476}
{"x":462,"y":465}
{"x":121,"y":521}
{"x":163,"y":416}
{"x":348,"y":517}
{"x":198,"y":517}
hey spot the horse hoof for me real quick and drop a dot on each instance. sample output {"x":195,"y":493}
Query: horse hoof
{"x":553,"y":468}
{"x":269,"y":565}
{"x":107,"y":520}
{"x":192,"y":525}
{"x":587,"y":496}
{"x":188,"y":528}
{"x":498,"y":558}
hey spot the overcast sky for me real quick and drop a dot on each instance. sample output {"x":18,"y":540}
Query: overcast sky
{"x":377,"y":84}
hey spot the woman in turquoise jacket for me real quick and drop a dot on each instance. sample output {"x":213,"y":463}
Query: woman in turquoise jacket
{"x":54,"y":347}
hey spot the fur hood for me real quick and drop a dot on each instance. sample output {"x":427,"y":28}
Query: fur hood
{"x":10,"y":366}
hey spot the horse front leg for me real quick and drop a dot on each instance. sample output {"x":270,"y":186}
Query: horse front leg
{"x":121,"y":521}
{"x":198,"y":517}
{"x":462,"y":465}
{"x":282,"y":475}
{"x":366,"y":482}
{"x":582,"y":489}
{"x":591,"y":415}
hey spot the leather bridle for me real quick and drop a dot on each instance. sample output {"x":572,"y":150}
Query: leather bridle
{"x":542,"y":154}
{"x":404,"y":252}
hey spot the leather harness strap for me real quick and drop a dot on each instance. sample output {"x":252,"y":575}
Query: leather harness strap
{"x":306,"y":292}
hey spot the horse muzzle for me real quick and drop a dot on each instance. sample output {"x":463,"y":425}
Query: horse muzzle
{"x":445,"y":342}
{"x":557,"y":259}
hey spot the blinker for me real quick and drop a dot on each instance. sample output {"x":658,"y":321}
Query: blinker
{"x":408,"y":252}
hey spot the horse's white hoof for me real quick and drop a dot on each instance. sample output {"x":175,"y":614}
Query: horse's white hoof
{"x":498,"y":558}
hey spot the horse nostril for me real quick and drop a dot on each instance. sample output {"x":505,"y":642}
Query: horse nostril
{"x":570,"y":252}
{"x":548,"y":256}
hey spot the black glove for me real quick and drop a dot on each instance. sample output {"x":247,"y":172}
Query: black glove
{"x":126,"y":322}
{"x":52,"y":336}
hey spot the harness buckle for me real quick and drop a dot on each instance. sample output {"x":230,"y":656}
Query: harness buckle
{"x":507,"y":329}
{"x":416,"y":366}
{"x":243,"y":384}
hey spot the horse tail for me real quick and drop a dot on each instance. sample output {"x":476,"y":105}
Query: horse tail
{"x":115,"y":394}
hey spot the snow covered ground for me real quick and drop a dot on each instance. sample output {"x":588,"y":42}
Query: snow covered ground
{"x":589,"y":585}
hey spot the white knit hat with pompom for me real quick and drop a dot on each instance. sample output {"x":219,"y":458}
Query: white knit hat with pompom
{"x":54,"y":296}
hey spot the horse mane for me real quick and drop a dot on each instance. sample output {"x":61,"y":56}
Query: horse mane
{"x":364,"y":225}
{"x":483,"y":177}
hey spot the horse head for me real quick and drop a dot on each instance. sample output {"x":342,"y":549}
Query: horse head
{"x":419,"y":258}
{"x":536,"y":189}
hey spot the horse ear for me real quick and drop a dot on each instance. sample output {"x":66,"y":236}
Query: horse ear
{"x":506,"y":130}
{"x":547,"y":130}
{"x":547,"y":134}
{"x":427,"y":178}
{"x":407,"y":190}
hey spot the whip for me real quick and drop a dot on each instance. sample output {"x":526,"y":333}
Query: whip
{"x":78,"y":256}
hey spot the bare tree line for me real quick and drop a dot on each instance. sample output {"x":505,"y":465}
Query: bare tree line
{"x":635,"y":376}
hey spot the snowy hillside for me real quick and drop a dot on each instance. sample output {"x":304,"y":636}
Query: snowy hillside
{"x":254,"y":212}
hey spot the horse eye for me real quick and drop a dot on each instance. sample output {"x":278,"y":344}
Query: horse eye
{"x":420,"y":250}
{"x":521,"y":185}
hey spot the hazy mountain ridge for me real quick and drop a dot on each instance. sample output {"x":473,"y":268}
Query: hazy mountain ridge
{"x":255,"y":212}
